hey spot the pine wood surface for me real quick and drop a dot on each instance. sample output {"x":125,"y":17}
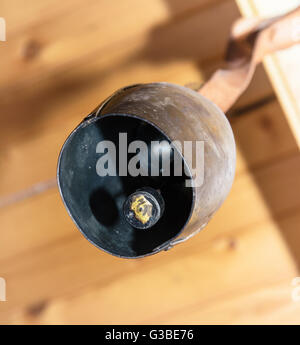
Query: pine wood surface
{"x":61,"y":58}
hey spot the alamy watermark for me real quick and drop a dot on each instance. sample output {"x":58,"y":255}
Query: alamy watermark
{"x":295,"y":294}
{"x":2,"y":290}
{"x":2,"y":29}
{"x":158,"y":158}
{"x":296,"y":29}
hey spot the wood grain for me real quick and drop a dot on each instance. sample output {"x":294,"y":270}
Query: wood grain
{"x":282,"y":67}
{"x":61,"y":59}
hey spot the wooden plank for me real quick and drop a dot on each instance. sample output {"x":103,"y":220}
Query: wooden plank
{"x":265,"y":304}
{"x":66,"y":40}
{"x":30,"y":13}
{"x":26,"y":13}
{"x":180,"y":283}
{"x":282,"y":67}
{"x":268,"y":140}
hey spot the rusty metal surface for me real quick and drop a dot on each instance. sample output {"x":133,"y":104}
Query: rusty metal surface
{"x":185,"y":115}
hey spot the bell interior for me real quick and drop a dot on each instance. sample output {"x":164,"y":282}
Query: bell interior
{"x":95,"y":202}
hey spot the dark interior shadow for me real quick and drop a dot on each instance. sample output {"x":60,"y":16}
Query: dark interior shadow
{"x":104,"y":207}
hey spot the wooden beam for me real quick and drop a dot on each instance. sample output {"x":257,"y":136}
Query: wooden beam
{"x":282,"y":67}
